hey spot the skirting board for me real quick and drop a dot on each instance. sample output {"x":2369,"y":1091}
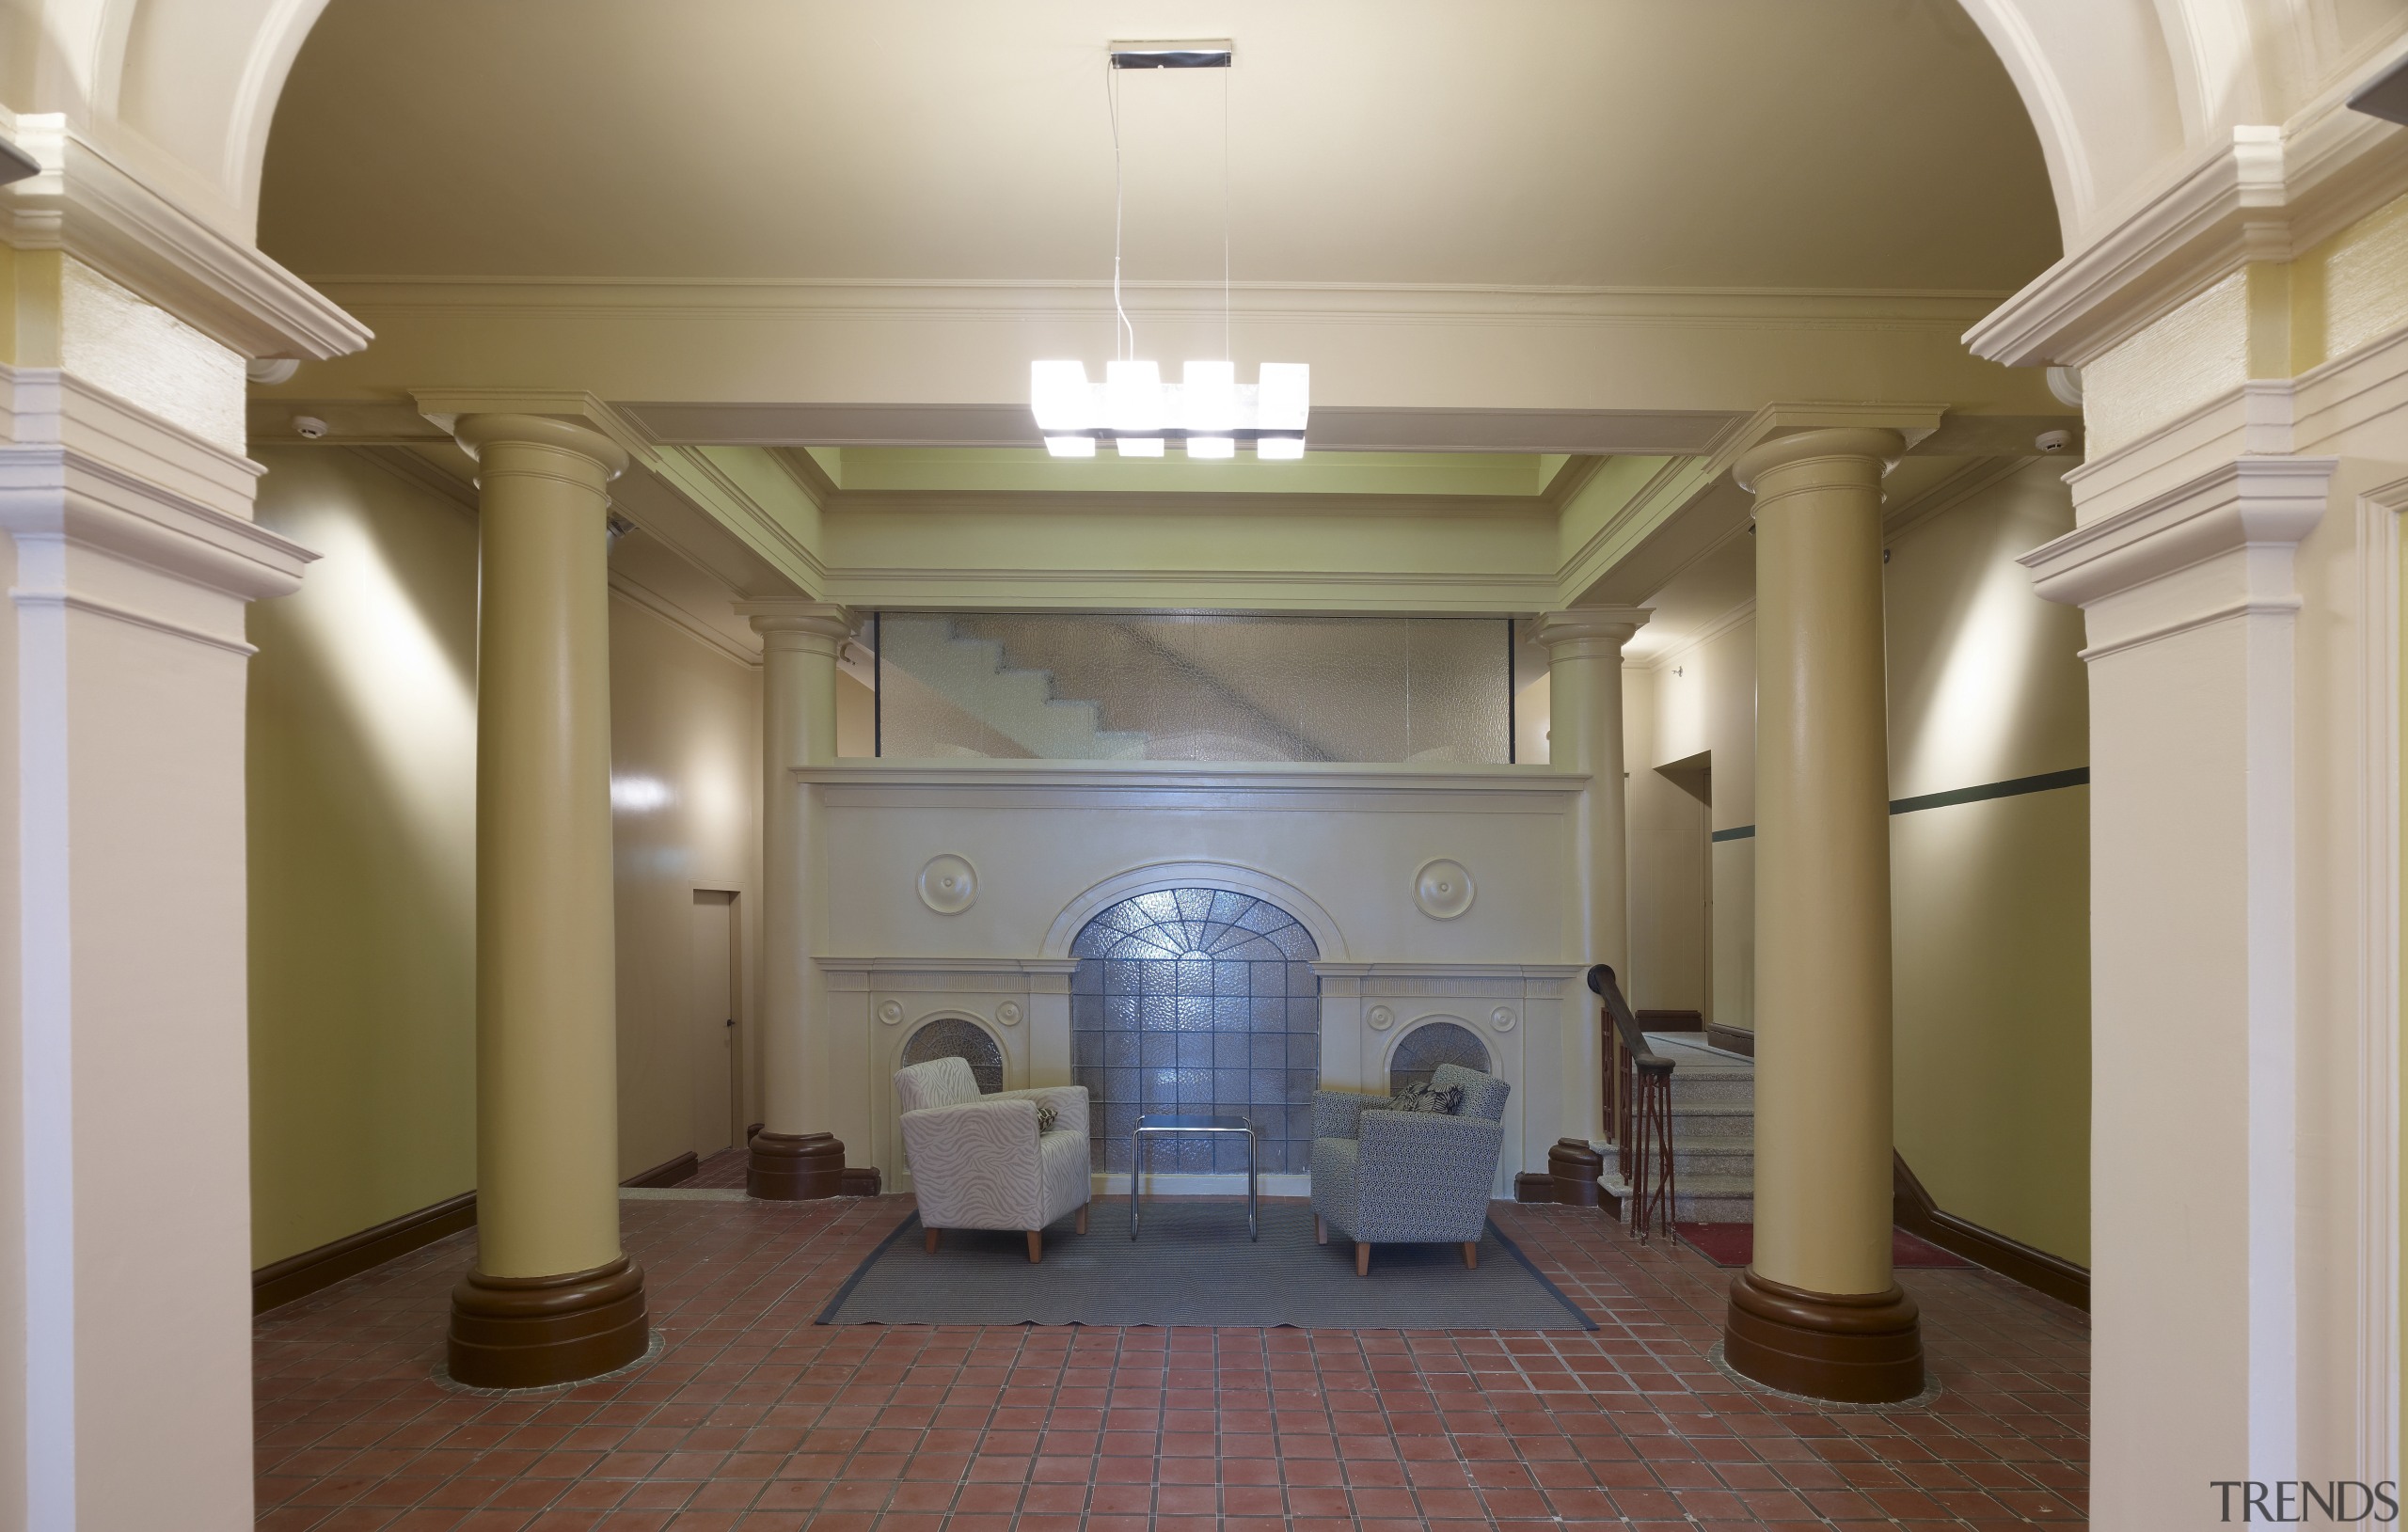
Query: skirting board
{"x":1730,"y":1039}
{"x":297,"y":1276}
{"x":279,"y":1283}
{"x":1913,"y":1210}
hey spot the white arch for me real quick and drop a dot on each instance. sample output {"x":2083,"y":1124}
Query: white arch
{"x":1234,"y":877}
{"x":1388,"y":1059}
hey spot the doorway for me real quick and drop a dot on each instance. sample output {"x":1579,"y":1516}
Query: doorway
{"x":712,"y":1023}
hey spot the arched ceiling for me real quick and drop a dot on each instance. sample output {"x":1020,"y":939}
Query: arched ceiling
{"x":1842,"y":144}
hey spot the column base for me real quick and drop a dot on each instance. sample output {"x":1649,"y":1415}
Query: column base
{"x":795,"y":1167}
{"x":1851,"y":1348}
{"x":531,"y":1332}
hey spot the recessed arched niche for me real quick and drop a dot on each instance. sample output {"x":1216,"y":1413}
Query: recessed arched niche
{"x":1420,"y":1052}
{"x":956,"y":1037}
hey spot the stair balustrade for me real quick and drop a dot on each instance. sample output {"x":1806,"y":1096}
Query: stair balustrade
{"x":1639,"y":1115}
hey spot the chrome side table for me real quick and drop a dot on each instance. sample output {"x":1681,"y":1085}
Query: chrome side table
{"x":1160,"y":1124}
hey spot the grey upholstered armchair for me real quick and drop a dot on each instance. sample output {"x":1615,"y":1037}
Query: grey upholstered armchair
{"x":1383,"y":1176}
{"x":979,"y":1162}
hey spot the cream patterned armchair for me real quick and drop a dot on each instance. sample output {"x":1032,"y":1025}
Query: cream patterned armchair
{"x":979,"y":1162}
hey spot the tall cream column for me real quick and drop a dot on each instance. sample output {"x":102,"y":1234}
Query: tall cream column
{"x":794,"y":1156}
{"x":1584,"y":731}
{"x":1818,"y":1313}
{"x":551,"y":1296}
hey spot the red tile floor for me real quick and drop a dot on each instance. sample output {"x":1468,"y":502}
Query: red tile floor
{"x":753,"y":1417}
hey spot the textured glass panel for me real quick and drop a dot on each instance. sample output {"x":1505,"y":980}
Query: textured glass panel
{"x":1095,"y":687}
{"x":1427,"y":1047}
{"x":1206,"y":1002}
{"x":951,"y":1037}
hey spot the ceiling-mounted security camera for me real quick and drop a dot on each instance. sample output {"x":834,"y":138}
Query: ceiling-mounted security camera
{"x":310,"y":426}
{"x":2053,"y":441}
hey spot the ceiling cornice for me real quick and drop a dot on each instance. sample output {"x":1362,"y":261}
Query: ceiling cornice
{"x":1366,"y":303}
{"x":1106,"y":502}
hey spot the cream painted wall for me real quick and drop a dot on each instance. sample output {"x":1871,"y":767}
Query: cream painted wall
{"x":362,"y":790}
{"x":686,"y":796}
{"x":1989,"y":900}
{"x":362,"y":778}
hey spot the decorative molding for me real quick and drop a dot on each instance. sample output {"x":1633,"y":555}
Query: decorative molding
{"x":1009,"y":1014}
{"x":638,"y":593}
{"x":1473,"y":594}
{"x":1121,"y":504}
{"x":413,"y":470}
{"x":1503,"y":1018}
{"x":1379,"y":1018}
{"x":1263,"y":303}
{"x":2377,"y":1172}
{"x":1310,"y":912}
{"x":949,"y":884}
{"x":1443,"y":889}
{"x":2262,"y":196}
{"x":890,"y":1013}
{"x":87,"y":204}
{"x":1977,"y":476}
{"x":2242,"y":503}
{"x":94,"y":605}
{"x":1744,"y":611}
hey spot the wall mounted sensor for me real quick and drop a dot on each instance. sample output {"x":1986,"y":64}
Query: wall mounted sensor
{"x":310,"y":426}
{"x":16,"y":165}
{"x":2053,"y":441}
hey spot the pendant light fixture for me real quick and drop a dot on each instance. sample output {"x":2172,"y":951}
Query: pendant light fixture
{"x":1208,"y":411}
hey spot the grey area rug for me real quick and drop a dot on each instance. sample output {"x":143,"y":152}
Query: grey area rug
{"x":1192,"y":1265}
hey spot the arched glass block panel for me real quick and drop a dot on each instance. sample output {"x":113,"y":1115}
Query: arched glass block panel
{"x":1429,"y":1046}
{"x":1197,"y":1000}
{"x":951,"y":1037}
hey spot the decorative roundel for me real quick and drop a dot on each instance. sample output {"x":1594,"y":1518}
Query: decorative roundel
{"x":1008,"y":1012}
{"x":890,"y":1013}
{"x":1442,"y":889}
{"x":949,"y":884}
{"x":1381,"y":1018}
{"x":1502,"y":1018}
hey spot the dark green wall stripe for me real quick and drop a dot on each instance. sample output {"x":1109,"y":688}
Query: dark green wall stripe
{"x":2014,"y":788}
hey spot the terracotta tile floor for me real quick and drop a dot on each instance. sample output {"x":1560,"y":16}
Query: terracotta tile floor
{"x":753,"y":1417}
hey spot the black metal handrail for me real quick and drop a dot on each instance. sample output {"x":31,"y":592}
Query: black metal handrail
{"x":1639,"y":1094}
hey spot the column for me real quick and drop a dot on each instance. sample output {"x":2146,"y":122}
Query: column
{"x":551,"y":1296}
{"x":794,"y":1156}
{"x":1818,"y":1313}
{"x":1584,"y":689}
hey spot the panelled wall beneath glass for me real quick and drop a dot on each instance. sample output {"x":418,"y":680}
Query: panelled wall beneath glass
{"x":1197,"y":1001}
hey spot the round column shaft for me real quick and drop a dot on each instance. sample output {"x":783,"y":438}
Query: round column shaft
{"x":1818,"y":1312}
{"x":794,"y":1156}
{"x":1585,"y":733}
{"x":551,"y":1296}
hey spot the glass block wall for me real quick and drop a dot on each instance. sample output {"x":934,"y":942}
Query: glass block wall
{"x":1198,"y":686}
{"x":1427,"y":1047}
{"x":1199,"y":1001}
{"x":951,"y":1037}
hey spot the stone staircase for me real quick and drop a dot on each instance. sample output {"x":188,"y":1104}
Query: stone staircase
{"x":974,"y":675}
{"x":1714,"y":1124}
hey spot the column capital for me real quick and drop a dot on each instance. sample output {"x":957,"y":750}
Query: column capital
{"x":1609,"y":626}
{"x":800,"y":624}
{"x":475,"y":433}
{"x":1874,"y":444}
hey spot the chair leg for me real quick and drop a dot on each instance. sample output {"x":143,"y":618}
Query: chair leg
{"x":1320,"y":1231}
{"x":1083,"y":1218}
{"x":1362,"y":1257}
{"x":932,"y":1242}
{"x":1471,"y":1253}
{"x":1035,"y":1246}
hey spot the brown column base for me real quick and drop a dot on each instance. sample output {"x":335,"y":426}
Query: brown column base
{"x":795,"y":1167}
{"x":531,"y":1332}
{"x":1853,"y":1347}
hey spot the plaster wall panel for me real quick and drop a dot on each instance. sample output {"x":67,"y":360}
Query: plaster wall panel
{"x":684,"y":769}
{"x":361,"y":777}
